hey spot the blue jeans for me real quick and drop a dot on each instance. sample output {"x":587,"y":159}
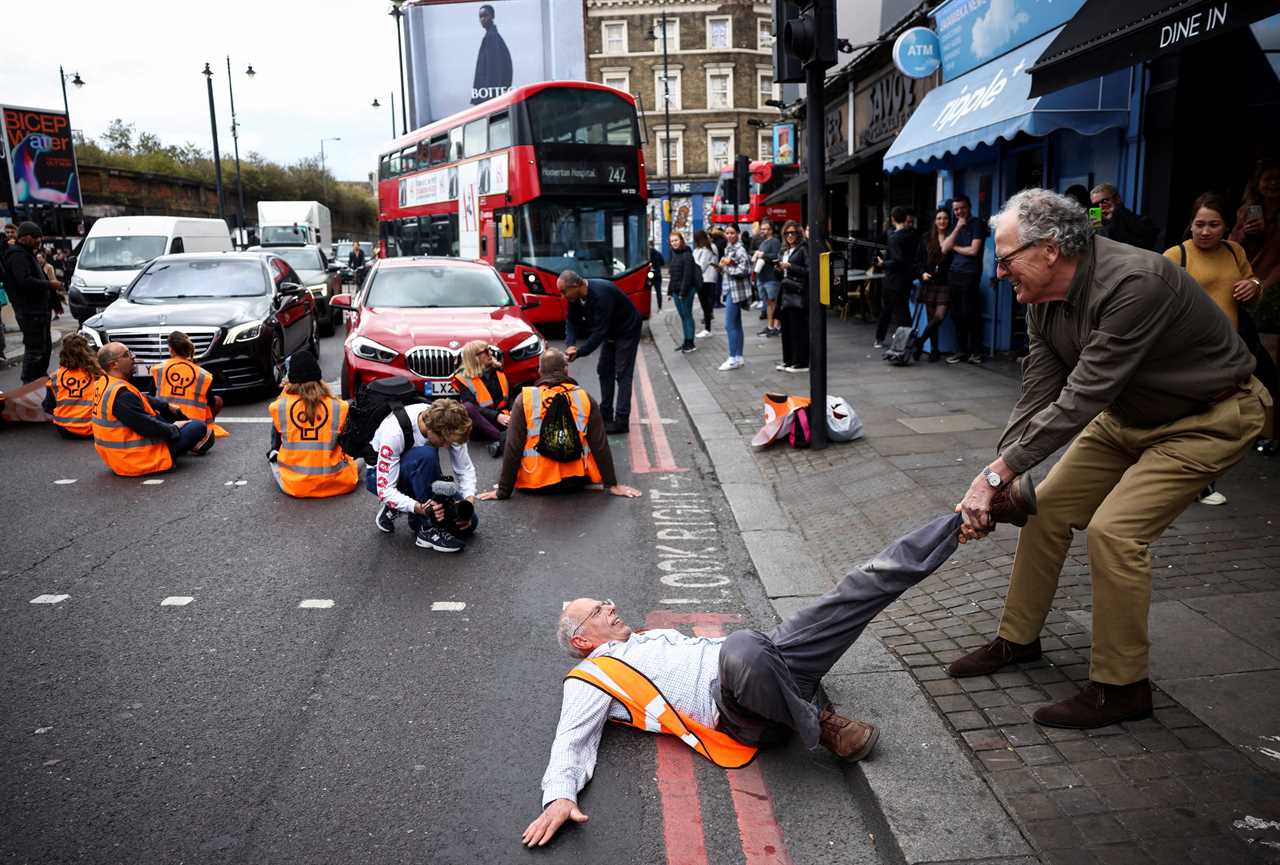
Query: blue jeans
{"x":419,"y":469}
{"x":733,"y":326}
{"x":188,"y":437}
{"x":684,"y":306}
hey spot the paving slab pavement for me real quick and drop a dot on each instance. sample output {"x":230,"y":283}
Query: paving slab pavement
{"x":1200,"y":782}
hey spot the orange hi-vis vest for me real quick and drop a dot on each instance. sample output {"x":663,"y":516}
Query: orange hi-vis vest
{"x":185,"y":386}
{"x":311,"y":464}
{"x":124,"y":451}
{"x":650,"y":710}
{"x":484,"y":399}
{"x":75,"y":392}
{"x":536,"y":471}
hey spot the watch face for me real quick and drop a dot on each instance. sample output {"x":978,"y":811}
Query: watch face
{"x":993,"y":479}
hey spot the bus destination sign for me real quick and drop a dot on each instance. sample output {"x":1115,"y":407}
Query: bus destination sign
{"x":613,"y":174}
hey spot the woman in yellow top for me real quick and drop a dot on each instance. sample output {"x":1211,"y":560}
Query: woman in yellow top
{"x":1222,"y":269}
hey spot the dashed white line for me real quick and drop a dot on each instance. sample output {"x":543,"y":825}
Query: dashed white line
{"x":64,"y":481}
{"x":315,"y":604}
{"x":177,"y":601}
{"x":49,"y":599}
{"x":448,"y":606}
{"x":151,"y":482}
{"x":241,"y":483}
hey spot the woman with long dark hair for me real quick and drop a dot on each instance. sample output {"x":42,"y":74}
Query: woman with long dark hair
{"x":935,"y":294}
{"x":707,"y":258}
{"x":1258,"y":231}
{"x":794,"y":267}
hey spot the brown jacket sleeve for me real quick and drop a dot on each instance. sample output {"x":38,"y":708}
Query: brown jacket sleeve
{"x":517,"y":432}
{"x":598,"y":441}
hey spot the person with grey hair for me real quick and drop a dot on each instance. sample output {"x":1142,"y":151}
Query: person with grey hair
{"x":1136,"y":367}
{"x":1119,"y":223}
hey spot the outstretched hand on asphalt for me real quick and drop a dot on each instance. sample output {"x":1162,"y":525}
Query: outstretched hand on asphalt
{"x":543,"y":829}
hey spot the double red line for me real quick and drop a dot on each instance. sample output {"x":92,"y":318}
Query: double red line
{"x":644,"y":407}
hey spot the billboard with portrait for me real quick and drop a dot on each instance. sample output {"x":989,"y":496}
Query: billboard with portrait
{"x":464,"y":53}
{"x":41,"y":163}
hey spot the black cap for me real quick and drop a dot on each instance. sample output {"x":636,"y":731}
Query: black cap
{"x":29,"y":229}
{"x":304,"y":367}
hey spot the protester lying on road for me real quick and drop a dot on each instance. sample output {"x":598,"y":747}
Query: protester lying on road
{"x":307,"y":461}
{"x":557,"y":440}
{"x":74,"y":388}
{"x":136,"y":434}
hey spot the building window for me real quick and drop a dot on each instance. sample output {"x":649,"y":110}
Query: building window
{"x":673,"y":35}
{"x":614,"y":37}
{"x":673,"y":85}
{"x":719,"y":32}
{"x":764,"y":86}
{"x":719,"y":150}
{"x":765,"y":149}
{"x":764,"y":34}
{"x":618,"y":80}
{"x":719,"y":88}
{"x":670,"y":153}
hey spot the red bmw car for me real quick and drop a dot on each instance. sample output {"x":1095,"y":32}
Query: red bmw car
{"x":413,"y":315}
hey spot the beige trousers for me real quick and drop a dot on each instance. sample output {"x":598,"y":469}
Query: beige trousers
{"x":1125,"y":485}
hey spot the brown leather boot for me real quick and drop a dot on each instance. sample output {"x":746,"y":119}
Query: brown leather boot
{"x":846,"y":738}
{"x":991,"y":657}
{"x":1099,"y":705}
{"x":1015,"y":501}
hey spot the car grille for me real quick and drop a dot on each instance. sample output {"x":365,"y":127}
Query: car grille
{"x":431,"y":362}
{"x":148,"y":344}
{"x":95,"y":296}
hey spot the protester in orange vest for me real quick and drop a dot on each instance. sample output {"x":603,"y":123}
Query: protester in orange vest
{"x":307,"y":418}
{"x":525,"y":468}
{"x":183,"y":384}
{"x":483,"y":390}
{"x":74,"y":388}
{"x":136,"y":434}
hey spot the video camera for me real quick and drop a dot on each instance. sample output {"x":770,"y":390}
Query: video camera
{"x":457,"y":512}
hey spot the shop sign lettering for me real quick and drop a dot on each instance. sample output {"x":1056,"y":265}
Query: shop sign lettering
{"x":1196,"y":24}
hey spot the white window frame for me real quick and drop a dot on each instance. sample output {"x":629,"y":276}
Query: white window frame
{"x":764,"y":145}
{"x":727,"y":72}
{"x":761,"y":94}
{"x":764,"y":34}
{"x":676,"y":76}
{"x":608,"y":77}
{"x":604,"y":37}
{"x":728,"y":22}
{"x":673,"y":31}
{"x":729,"y":133}
{"x":660,"y":137}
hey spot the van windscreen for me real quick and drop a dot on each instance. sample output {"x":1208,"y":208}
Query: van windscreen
{"x":120,"y":252}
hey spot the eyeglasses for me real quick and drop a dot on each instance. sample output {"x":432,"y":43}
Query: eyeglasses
{"x":595,"y":611}
{"x":1002,"y":261}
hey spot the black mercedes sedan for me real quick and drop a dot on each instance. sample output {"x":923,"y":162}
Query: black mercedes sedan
{"x":246,"y":312}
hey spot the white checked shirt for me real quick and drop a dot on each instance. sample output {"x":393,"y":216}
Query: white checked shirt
{"x":683,"y":668}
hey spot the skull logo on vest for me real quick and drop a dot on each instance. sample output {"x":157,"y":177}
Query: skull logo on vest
{"x":74,"y":383}
{"x":180,"y":376}
{"x":309,"y":430}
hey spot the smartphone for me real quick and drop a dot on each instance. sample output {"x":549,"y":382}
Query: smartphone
{"x":1253,"y":211}
{"x":1095,"y":213}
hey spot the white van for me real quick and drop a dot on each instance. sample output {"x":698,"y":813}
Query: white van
{"x":117,"y":247}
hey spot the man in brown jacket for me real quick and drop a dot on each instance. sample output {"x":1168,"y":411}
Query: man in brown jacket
{"x":1139,"y":370}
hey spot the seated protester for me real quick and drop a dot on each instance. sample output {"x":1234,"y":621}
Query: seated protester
{"x":135,"y":434}
{"x":74,"y":388}
{"x":306,"y":418}
{"x":182,"y":383}
{"x":483,"y":390}
{"x":556,"y":400}
{"x":408,"y":444}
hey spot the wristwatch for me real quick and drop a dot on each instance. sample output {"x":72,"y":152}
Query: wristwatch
{"x":993,"y":479}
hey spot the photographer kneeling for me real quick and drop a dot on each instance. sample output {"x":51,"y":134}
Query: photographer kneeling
{"x":406,"y":476}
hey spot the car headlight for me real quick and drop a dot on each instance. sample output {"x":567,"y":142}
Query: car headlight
{"x":91,"y":335}
{"x":246,"y":332}
{"x":320,"y":289}
{"x":529,"y":347}
{"x":366,"y":348}
{"x":77,"y":281}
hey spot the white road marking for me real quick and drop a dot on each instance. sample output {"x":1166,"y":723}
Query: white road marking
{"x":49,"y":599}
{"x":228,"y":483}
{"x":152,"y":482}
{"x":40,"y":731}
{"x":224,"y":419}
{"x":1255,"y":823}
{"x":65,"y":481}
{"x":448,"y":606}
{"x":177,"y":601}
{"x":315,"y":604}
{"x":665,"y":420}
{"x":241,"y":483}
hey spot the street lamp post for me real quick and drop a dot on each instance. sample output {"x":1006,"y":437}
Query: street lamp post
{"x":391,"y":103}
{"x":217,"y":158}
{"x":235,"y":138}
{"x":76,"y":81}
{"x":397,"y":14}
{"x":665,"y":161}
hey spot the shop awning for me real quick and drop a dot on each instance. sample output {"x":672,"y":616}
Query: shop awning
{"x":994,"y":102}
{"x":791,"y":190}
{"x":1107,"y":35}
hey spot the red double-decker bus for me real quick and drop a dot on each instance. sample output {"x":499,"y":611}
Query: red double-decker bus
{"x":765,"y":180}
{"x":545,"y":178}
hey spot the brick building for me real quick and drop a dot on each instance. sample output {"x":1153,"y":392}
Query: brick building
{"x":720,"y":72}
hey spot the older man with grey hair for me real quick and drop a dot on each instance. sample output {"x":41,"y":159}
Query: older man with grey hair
{"x":1134,"y":365}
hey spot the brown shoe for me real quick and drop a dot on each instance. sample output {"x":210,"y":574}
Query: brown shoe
{"x":1015,"y":501}
{"x":991,"y":657}
{"x":846,"y":738}
{"x":1099,"y":705}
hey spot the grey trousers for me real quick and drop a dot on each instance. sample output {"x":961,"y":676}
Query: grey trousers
{"x":767,"y":682}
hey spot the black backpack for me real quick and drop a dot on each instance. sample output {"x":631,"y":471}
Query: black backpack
{"x":902,"y":346}
{"x":370,"y":409}
{"x":559,"y":439}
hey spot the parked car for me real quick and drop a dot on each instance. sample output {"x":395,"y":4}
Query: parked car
{"x":321,"y":277}
{"x":117,"y":247}
{"x":246,"y":312}
{"x":413,"y":315}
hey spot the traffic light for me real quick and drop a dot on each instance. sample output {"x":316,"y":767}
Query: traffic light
{"x":741,"y":186}
{"x":804,"y":34}
{"x":787,"y":68}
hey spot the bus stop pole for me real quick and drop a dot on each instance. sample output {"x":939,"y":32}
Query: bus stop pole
{"x":815,"y":155}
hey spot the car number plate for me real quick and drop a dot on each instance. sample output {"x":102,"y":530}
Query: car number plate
{"x":439,"y":388}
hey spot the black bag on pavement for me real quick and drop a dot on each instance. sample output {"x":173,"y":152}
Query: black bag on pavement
{"x":559,"y":439}
{"x":370,"y":408}
{"x":902,"y":346}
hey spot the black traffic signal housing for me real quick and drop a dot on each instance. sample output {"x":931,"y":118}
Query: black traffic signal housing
{"x":805,"y":35}
{"x":741,"y":184}
{"x":787,"y":68}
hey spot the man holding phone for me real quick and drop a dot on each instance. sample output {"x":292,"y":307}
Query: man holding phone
{"x":1112,"y":220}
{"x":966,"y":241}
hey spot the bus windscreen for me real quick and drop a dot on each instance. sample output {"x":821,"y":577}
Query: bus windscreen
{"x":576,"y":116}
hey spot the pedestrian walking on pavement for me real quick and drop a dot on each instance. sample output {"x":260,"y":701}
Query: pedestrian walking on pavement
{"x":735,"y":265}
{"x":602,"y":317}
{"x":685,"y":279}
{"x":793,"y":299}
{"x":933,"y":266}
{"x":965,"y":244}
{"x":1135,"y":366}
{"x":656,"y":263}
{"x":708,"y":261}
{"x":899,"y":265}
{"x":35,"y":299}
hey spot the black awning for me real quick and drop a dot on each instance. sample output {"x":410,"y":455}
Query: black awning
{"x":790,"y":191}
{"x":1108,"y":35}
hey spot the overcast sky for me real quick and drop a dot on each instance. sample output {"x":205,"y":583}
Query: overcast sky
{"x":320,"y":63}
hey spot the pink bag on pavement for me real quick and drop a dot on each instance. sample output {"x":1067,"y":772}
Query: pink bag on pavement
{"x":780,"y":412}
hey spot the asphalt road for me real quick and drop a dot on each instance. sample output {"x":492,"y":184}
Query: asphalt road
{"x":242,"y":728}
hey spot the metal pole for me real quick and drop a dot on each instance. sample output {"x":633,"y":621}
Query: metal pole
{"x":217,"y":158}
{"x":404,"y":108}
{"x":393,"y":114}
{"x":815,"y":153}
{"x":235,"y":137}
{"x":666,"y":114}
{"x":75,"y":164}
{"x":322,"y":141}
